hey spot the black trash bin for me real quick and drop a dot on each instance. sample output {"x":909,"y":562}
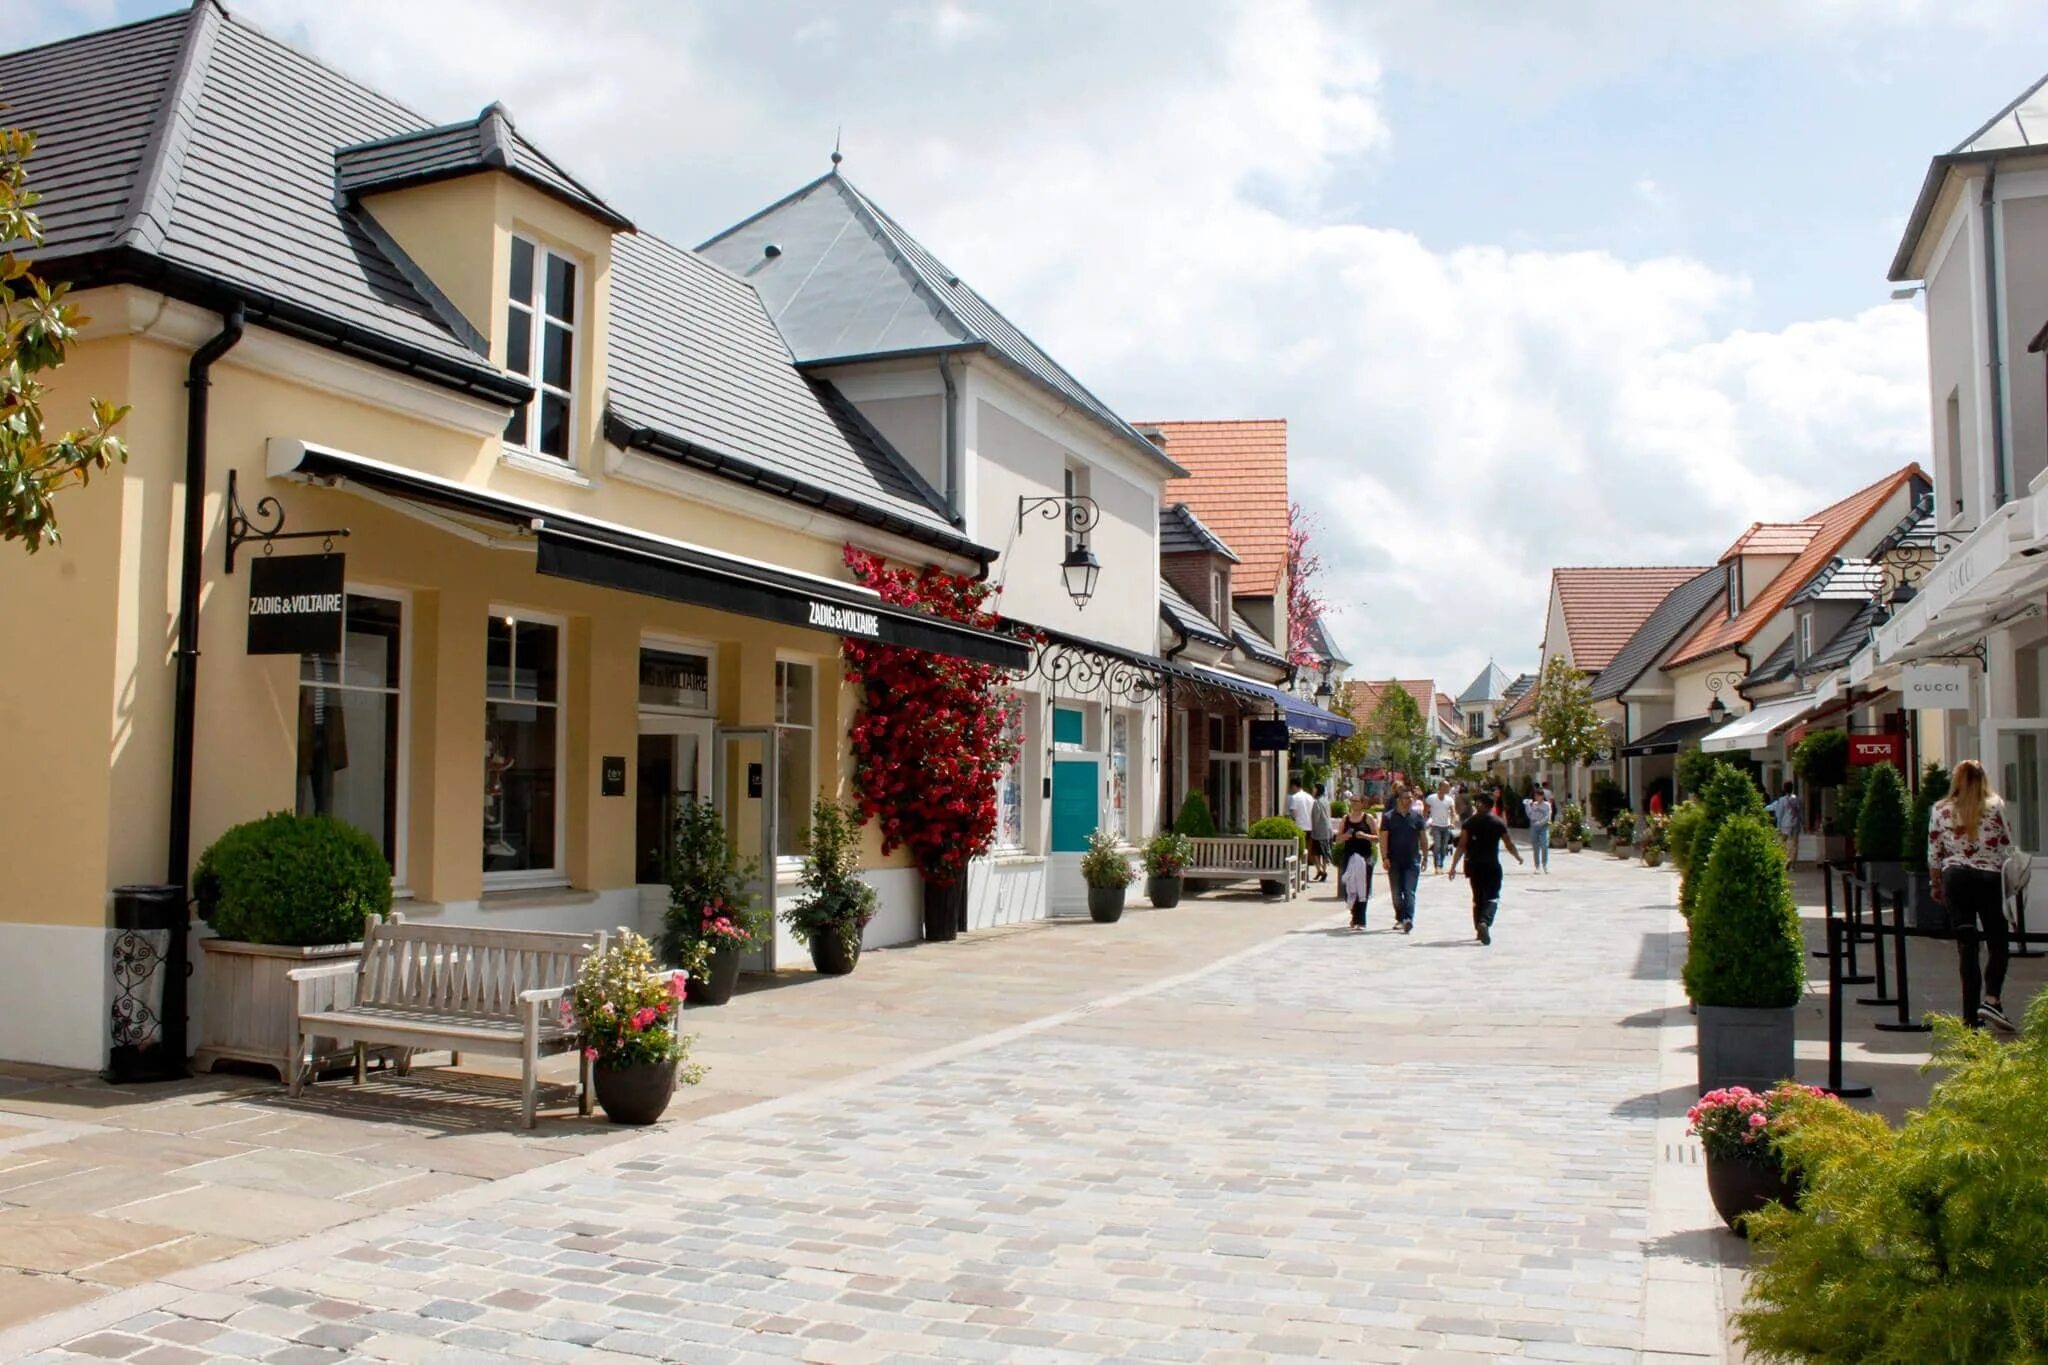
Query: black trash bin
{"x":146,"y":1036}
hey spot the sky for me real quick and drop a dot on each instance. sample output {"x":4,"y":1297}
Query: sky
{"x":1585,"y":282}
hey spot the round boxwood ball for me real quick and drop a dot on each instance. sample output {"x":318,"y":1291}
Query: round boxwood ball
{"x":293,"y":881}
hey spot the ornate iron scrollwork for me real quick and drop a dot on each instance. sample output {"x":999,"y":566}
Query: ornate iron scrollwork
{"x":138,"y":957}
{"x":1907,"y":560}
{"x":242,"y":528}
{"x":1079,"y":513}
{"x":1081,"y":671}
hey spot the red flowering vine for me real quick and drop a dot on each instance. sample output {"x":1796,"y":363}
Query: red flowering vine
{"x":932,"y":737}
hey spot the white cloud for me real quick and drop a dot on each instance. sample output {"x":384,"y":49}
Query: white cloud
{"x":1146,"y":192}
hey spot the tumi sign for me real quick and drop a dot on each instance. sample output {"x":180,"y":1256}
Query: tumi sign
{"x":295,"y":604}
{"x":1929,"y":687}
{"x":1865,"y":750}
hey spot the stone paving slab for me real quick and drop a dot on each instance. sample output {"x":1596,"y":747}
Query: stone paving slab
{"x":1430,"y":1151}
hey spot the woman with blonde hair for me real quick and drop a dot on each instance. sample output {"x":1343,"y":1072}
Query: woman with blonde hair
{"x":1967,"y":844}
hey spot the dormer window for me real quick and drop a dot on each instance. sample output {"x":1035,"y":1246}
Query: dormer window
{"x":540,"y":345}
{"x":1805,"y":635}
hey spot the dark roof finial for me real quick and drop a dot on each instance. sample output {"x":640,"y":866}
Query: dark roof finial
{"x":836,"y":157}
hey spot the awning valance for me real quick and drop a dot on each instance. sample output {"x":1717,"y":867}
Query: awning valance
{"x":1754,"y":730}
{"x":609,"y":556}
{"x":1667,"y":739}
{"x":1303,"y":716}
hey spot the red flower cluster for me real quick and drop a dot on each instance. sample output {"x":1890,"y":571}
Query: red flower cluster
{"x":931,"y":739}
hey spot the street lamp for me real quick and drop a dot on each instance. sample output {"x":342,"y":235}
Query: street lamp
{"x":1080,"y":570}
{"x":1718,"y":711}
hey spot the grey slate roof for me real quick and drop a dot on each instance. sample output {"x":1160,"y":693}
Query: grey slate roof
{"x":1181,"y":532}
{"x":1659,"y":631}
{"x":2019,"y":129}
{"x":1519,"y":688}
{"x":1490,"y":685}
{"x":1186,"y":618}
{"x":1326,"y":641}
{"x":847,"y":283}
{"x":1247,"y":637}
{"x":1850,"y":638}
{"x":1842,"y":580}
{"x":1773,"y":667}
{"x":488,"y":142}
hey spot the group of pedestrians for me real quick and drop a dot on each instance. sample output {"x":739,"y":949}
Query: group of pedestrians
{"x":1413,"y":831}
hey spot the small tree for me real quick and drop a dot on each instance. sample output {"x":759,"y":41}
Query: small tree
{"x":36,"y":328}
{"x":1567,"y":724}
{"x":1822,"y":758}
{"x":1882,"y":822}
{"x":1746,"y":950}
{"x":1194,"y":820}
{"x":1355,"y":749}
{"x":1728,"y":793}
{"x":1695,"y":766}
{"x":1397,"y":733}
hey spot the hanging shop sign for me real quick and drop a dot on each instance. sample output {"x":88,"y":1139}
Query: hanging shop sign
{"x":1935,"y":687}
{"x":1269,"y":736}
{"x":1865,"y":750}
{"x":295,"y":604}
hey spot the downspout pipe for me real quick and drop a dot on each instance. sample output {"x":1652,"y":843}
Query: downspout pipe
{"x":1166,"y":810}
{"x":2001,"y":487}
{"x":191,"y":576}
{"x":955,"y":495}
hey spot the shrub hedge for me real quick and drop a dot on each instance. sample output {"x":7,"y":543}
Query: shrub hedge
{"x":293,"y":881}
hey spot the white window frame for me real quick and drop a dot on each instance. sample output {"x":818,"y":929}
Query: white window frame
{"x":679,"y":644}
{"x":791,"y":864}
{"x":1805,"y":635}
{"x":538,"y":321}
{"x":401,"y":850}
{"x":557,"y":874}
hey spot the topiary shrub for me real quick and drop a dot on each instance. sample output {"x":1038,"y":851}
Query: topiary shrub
{"x":1275,"y":827}
{"x":1194,"y":819}
{"x":1746,"y":949}
{"x":1608,"y":800}
{"x":293,"y":881}
{"x":1927,"y":1242}
{"x":1883,"y":820}
{"x":1695,"y":765}
{"x":1849,"y":801}
{"x":1933,"y":789}
{"x":1822,"y":758}
{"x":1729,"y":792}
{"x":1681,"y":832}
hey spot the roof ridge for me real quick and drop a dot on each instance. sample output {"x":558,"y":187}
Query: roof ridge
{"x":1963,"y":147}
{"x":146,"y":214}
{"x":756,"y":216}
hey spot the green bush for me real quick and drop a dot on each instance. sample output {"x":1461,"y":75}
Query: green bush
{"x":1168,"y":854}
{"x":711,"y":900}
{"x":1338,"y":810}
{"x":1822,"y":758}
{"x":1933,"y":789}
{"x":833,"y":900}
{"x":1695,"y":766}
{"x":1849,"y":802}
{"x":1608,"y":800}
{"x":1104,"y":864}
{"x":293,"y":881}
{"x":1275,"y":827}
{"x":1746,"y":948}
{"x":1623,"y":826}
{"x":1195,"y":820}
{"x":1571,"y":824}
{"x":1682,"y":830}
{"x":1729,"y":792}
{"x":1927,"y":1242}
{"x":1882,"y":822}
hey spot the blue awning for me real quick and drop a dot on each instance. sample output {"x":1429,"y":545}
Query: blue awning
{"x":1302,"y":716}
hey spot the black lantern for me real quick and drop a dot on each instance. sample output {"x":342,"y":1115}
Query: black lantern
{"x":1080,"y":570}
{"x":1718,"y":711}
{"x":1324,"y":692}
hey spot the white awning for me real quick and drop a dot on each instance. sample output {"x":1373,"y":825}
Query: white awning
{"x":1491,"y":751}
{"x":1754,"y":730}
{"x":1519,"y":747}
{"x":1995,"y":569}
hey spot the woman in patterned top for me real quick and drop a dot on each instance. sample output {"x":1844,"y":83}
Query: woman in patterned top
{"x":1967,"y":843}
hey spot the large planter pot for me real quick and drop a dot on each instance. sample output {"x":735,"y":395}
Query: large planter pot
{"x":1739,"y":1188}
{"x":1652,"y":857}
{"x":246,"y":1003}
{"x":637,"y":1094}
{"x":721,"y":977}
{"x":1623,"y":850}
{"x":1106,"y":903}
{"x":1888,"y":875}
{"x":833,"y":955}
{"x":943,"y":906}
{"x":1163,"y":892}
{"x":1921,"y":907}
{"x":1751,"y":1047}
{"x":1574,"y":845}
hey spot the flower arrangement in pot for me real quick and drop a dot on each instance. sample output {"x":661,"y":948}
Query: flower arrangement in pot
{"x":1622,"y":830}
{"x":1656,"y":839}
{"x":625,"y":1010}
{"x":1738,"y":1129}
{"x":1571,"y":827}
{"x":1108,"y":873}
{"x":835,"y":905}
{"x":1166,"y":861}
{"x":712,"y":915}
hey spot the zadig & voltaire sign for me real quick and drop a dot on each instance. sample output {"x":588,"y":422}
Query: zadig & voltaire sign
{"x":845,"y":620}
{"x":296,"y":604}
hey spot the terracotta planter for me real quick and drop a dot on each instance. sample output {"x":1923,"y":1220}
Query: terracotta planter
{"x":720,"y":978}
{"x":1739,"y":1188}
{"x":247,"y":1000}
{"x":1163,"y":892}
{"x":944,"y":907}
{"x":1106,"y":903}
{"x":832,"y":955}
{"x":1574,"y":845}
{"x":1652,"y":857}
{"x":636,"y":1095}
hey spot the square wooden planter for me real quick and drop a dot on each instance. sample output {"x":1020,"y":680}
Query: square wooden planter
{"x":247,"y":998}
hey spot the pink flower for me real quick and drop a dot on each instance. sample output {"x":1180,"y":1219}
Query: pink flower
{"x":590,"y":1054}
{"x":679,"y":985}
{"x":1756,"y":1120}
{"x":566,"y":1011}
{"x":643,"y":1016}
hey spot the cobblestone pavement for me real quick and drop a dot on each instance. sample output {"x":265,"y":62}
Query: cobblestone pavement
{"x":1338,"y":1146}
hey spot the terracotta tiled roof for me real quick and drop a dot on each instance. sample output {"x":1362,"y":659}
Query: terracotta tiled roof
{"x":1834,"y":525}
{"x":1773,"y":538}
{"x":1237,"y":485}
{"x":1366,"y":695}
{"x":1603,"y":607}
{"x":1524,"y":705}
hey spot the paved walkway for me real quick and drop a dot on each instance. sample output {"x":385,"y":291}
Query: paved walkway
{"x":1323,"y":1145}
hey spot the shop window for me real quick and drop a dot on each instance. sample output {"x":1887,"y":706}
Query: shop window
{"x":1069,"y":728}
{"x":796,"y":723}
{"x":351,"y":730}
{"x":1010,"y":786}
{"x":1117,"y":819}
{"x":675,"y":680}
{"x":522,"y":751}
{"x":540,"y":345}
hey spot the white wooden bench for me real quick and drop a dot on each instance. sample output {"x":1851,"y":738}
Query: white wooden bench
{"x":1235,"y":858}
{"x":424,"y":987}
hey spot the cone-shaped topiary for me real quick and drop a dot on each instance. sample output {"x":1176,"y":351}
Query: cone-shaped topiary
{"x":1746,"y":950}
{"x":1882,"y":822}
{"x":1728,"y":792}
{"x":1195,"y":820}
{"x":1933,"y":789}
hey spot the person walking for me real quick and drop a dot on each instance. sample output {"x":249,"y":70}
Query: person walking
{"x":1358,"y":844}
{"x":1790,"y":817}
{"x":1300,"y":805}
{"x":1319,"y":837}
{"x":1967,"y":845}
{"x":1441,"y":807}
{"x":1402,"y":831}
{"x":1479,"y":846}
{"x":1540,"y":813}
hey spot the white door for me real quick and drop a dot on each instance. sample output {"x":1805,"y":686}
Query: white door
{"x":744,"y":783}
{"x":2014,"y":754}
{"x":673,"y":769}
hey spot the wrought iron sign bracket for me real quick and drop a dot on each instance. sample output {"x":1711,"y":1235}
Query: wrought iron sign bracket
{"x":1080,"y":513}
{"x":1904,"y":564}
{"x":242,"y":529}
{"x":1978,"y":651}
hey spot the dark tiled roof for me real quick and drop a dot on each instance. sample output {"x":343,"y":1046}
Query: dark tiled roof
{"x":847,"y":282}
{"x":1660,"y":630}
{"x":1181,"y":532}
{"x":1186,"y":618}
{"x":488,"y":142}
{"x":1842,"y":580}
{"x":1253,"y":643}
{"x":1326,"y":641}
{"x":1490,"y":685}
{"x":1850,"y":638}
{"x":1774,"y":666}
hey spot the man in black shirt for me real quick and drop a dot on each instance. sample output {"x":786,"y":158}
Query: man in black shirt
{"x":1479,"y":846}
{"x":1402,"y":830}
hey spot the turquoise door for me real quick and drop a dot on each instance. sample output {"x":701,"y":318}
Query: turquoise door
{"x":1075,"y":789}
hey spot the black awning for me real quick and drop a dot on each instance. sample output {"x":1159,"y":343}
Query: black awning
{"x":609,"y":556}
{"x":1668,"y":739}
